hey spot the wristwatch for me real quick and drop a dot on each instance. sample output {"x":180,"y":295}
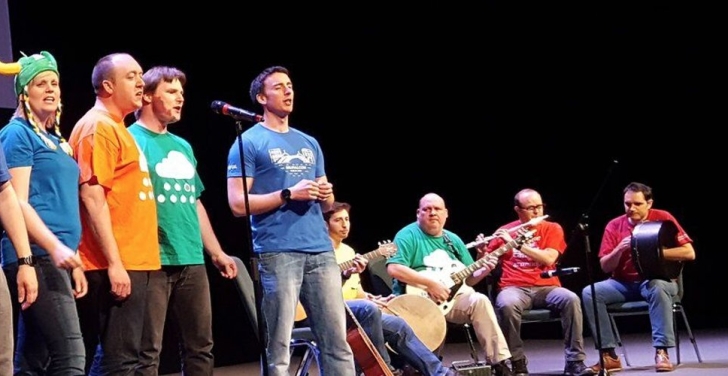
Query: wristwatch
{"x":28,"y":260}
{"x":286,"y":195}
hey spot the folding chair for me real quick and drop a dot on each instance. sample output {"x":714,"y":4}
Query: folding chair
{"x":641,"y":307}
{"x":379,"y":279}
{"x":530,"y":315}
{"x":300,"y":337}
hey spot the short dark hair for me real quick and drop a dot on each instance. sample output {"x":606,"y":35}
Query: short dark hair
{"x":337,"y":207}
{"x":256,"y":87}
{"x":154,"y":76}
{"x":639,"y":187}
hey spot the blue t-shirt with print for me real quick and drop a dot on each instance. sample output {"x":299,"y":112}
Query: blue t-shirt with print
{"x":276,"y":161}
{"x":53,"y":188}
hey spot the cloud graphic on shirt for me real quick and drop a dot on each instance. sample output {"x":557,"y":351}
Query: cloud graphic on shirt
{"x":438,"y":260}
{"x":175,"y":166}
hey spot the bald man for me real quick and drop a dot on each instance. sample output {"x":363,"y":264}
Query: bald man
{"x":425,"y":248}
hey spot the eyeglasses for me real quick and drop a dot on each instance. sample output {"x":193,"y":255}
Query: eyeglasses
{"x":533,"y":207}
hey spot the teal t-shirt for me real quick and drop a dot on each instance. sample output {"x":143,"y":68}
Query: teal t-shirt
{"x":173,"y":169}
{"x":53,"y":186}
{"x":421,"y":251}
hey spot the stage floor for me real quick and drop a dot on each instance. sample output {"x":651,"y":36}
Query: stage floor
{"x":546,"y":356}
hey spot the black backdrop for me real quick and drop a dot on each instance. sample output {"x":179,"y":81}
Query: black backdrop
{"x":474,"y":103}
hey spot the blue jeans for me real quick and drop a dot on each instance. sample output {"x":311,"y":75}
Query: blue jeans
{"x":512,"y":301}
{"x":6,"y":328}
{"x":400,"y":337}
{"x":659,"y":295}
{"x":183,"y":292}
{"x":49,"y":334}
{"x":316,"y":278}
{"x":370,"y":318}
{"x":112,"y":329}
{"x":385,"y":328}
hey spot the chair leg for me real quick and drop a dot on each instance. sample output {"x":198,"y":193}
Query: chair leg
{"x":473,"y":350}
{"x":305,"y":363}
{"x":312,"y":353}
{"x":690,"y":333}
{"x":615,"y":331}
{"x":676,"y":332}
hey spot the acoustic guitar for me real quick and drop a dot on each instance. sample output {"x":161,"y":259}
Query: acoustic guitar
{"x":453,"y":276}
{"x":365,"y":354}
{"x":386,"y":249}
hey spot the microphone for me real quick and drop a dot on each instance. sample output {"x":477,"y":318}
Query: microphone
{"x":559,"y":272}
{"x":223,"y":108}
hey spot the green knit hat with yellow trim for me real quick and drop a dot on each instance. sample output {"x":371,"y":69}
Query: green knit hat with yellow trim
{"x":31,"y":66}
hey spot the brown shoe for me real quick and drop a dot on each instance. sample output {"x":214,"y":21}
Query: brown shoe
{"x":662,"y":361}
{"x":611,"y":364}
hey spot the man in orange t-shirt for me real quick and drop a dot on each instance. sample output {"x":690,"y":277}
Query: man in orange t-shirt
{"x":119,"y":243}
{"x":522,"y":287}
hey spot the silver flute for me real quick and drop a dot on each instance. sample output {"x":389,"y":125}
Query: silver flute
{"x":487,"y":239}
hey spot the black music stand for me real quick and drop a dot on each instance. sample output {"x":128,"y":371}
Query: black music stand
{"x":583,"y":229}
{"x":262,"y":333}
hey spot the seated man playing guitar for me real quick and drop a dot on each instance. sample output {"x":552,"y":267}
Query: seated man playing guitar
{"x":380,"y":327}
{"x":424,"y":248}
{"x":626,"y":284}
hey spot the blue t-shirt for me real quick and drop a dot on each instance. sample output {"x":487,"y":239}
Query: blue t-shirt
{"x":4,"y":173}
{"x":276,"y":161}
{"x":53,"y":190}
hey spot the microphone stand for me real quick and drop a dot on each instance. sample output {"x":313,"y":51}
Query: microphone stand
{"x":262,"y":333}
{"x":583,"y":227}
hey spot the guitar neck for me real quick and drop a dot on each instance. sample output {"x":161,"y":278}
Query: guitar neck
{"x":373,"y":255}
{"x":459,"y":277}
{"x":364,"y":350}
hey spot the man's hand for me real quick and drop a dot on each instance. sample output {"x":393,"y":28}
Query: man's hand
{"x":380,"y":300}
{"x":504,"y":234}
{"x":80,"y":284}
{"x":438,"y":292}
{"x":483,"y":247}
{"x":625,"y":244}
{"x":120,"y":282}
{"x":489,"y":263}
{"x":225,"y":265}
{"x":65,"y":258}
{"x":325,"y":191}
{"x":359,"y":264}
{"x":27,"y":286}
{"x":305,"y":190}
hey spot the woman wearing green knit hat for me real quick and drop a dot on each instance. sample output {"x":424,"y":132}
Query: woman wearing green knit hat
{"x":45,"y":177}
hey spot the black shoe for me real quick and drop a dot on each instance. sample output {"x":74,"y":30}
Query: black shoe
{"x":520,"y":367}
{"x":451,"y":372}
{"x":577,"y":368}
{"x":501,"y":369}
